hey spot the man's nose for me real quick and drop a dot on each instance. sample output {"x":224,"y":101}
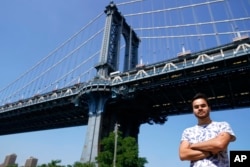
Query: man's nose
{"x":200,"y":107}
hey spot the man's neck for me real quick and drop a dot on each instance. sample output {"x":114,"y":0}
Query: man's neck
{"x":204,"y":121}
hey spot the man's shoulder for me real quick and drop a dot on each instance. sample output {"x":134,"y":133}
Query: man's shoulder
{"x":218,"y":123}
{"x":225,"y":127}
{"x":190,"y":128}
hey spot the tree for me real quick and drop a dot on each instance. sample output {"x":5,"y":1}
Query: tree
{"x":80,"y":164}
{"x":127,"y":152}
{"x":53,"y":163}
{"x":14,"y":165}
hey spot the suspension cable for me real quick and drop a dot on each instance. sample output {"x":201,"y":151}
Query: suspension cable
{"x":54,"y":51}
{"x":193,"y":35}
{"x":193,"y":24}
{"x":60,"y":61}
{"x":126,"y":3}
{"x":176,"y":8}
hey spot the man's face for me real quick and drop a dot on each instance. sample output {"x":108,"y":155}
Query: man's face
{"x":200,"y":108}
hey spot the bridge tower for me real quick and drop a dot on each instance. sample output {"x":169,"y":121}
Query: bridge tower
{"x":109,"y":58}
{"x":100,"y":123}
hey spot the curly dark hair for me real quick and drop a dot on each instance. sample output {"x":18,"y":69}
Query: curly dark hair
{"x":201,"y":96}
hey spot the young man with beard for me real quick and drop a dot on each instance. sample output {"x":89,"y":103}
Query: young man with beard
{"x":205,"y":144}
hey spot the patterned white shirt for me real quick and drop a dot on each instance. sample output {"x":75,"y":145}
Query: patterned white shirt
{"x":202,"y":133}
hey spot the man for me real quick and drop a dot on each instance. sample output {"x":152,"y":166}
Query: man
{"x":205,"y":144}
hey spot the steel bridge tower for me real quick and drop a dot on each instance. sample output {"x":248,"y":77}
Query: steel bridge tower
{"x":100,"y":123}
{"x":115,"y":27}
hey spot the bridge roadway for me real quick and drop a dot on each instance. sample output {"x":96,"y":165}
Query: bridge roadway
{"x":147,"y":94}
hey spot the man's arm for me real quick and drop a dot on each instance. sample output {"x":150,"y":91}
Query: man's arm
{"x":186,"y":153}
{"x":215,"y":145}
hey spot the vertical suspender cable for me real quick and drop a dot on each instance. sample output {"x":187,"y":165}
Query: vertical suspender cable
{"x":230,"y":15}
{"x":172,"y":45}
{"x":141,"y":53}
{"x":180,"y":40}
{"x":153,"y":43}
{"x":165,"y":44}
{"x":213,"y":24}
{"x":197,"y":27}
{"x":246,"y":12}
{"x":184,"y":38}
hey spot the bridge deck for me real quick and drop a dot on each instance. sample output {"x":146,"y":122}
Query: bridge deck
{"x":148,"y":94}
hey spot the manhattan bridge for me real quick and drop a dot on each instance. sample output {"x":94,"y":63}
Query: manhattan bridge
{"x":137,"y":62}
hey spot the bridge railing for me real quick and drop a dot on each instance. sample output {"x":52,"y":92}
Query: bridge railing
{"x":75,"y":90}
{"x":178,"y":64}
{"x":36,"y":99}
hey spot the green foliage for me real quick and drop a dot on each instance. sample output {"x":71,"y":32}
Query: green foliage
{"x":55,"y":163}
{"x":15,"y":165}
{"x":126,"y":155}
{"x":80,"y":164}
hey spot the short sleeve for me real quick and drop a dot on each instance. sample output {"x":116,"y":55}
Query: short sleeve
{"x":225,"y":127}
{"x":185,"y":135}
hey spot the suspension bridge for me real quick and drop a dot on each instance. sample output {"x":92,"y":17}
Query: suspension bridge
{"x":135,"y":67}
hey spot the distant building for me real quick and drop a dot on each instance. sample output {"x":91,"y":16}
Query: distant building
{"x":31,"y":162}
{"x":9,"y":160}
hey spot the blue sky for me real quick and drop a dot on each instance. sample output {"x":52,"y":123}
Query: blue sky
{"x":158,"y":143}
{"x":29,"y":30}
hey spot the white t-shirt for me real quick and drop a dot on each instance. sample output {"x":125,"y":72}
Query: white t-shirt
{"x":202,"y":133}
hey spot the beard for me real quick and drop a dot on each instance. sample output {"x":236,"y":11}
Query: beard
{"x":202,"y":115}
